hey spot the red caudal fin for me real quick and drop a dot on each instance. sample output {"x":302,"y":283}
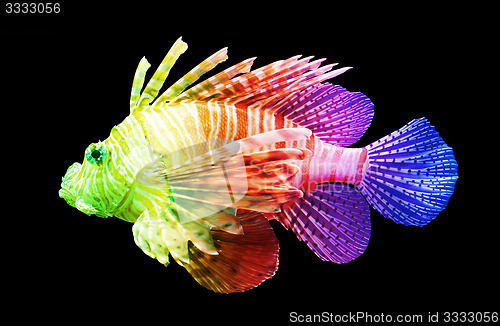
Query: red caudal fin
{"x":411,"y":174}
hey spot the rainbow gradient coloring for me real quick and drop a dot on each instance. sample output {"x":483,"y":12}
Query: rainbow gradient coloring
{"x":200,"y":170}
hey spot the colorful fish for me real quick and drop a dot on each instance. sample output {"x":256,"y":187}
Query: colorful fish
{"x":201,"y":170}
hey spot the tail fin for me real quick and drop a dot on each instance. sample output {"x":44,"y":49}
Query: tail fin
{"x":411,"y":174}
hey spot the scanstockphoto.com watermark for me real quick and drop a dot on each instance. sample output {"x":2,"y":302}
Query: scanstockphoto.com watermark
{"x":370,"y":318}
{"x":354,"y":317}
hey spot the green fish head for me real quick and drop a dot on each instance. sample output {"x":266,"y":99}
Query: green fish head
{"x":102,"y":183}
{"x":76,"y":184}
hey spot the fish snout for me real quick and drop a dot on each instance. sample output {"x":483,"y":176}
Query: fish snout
{"x":67,"y":191}
{"x":75,"y":194}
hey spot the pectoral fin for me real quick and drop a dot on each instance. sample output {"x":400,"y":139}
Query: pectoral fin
{"x":159,"y":235}
{"x":244,"y":260}
{"x":229,"y":176}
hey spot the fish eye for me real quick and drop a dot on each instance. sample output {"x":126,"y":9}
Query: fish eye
{"x":96,"y":154}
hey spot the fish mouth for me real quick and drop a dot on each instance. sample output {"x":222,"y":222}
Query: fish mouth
{"x":67,"y":191}
{"x":70,"y":193}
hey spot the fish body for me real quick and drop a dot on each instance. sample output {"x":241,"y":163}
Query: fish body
{"x":186,"y":124}
{"x":200,"y":170}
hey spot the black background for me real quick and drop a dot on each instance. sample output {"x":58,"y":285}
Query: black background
{"x":67,"y":80}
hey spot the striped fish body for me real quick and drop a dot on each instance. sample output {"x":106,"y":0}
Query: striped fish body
{"x":199,"y":170}
{"x":172,"y":128}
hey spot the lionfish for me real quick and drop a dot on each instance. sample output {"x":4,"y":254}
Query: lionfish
{"x":200,"y":170}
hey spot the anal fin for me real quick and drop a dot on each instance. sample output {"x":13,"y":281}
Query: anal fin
{"x":333,"y":220}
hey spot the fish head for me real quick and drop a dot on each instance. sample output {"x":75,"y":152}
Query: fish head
{"x":101,"y":183}
{"x":82,"y":185}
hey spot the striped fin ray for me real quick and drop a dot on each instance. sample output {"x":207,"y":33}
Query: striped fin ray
{"x":230,"y":88}
{"x":333,"y":220}
{"x":138,"y":82}
{"x":263,"y":77}
{"x":221,"y":259}
{"x":193,"y":75}
{"x":302,"y":82}
{"x":209,"y":87}
{"x":411,"y":174}
{"x":274,"y":81}
{"x":334,"y":114}
{"x":244,"y":260}
{"x":267,"y":84}
{"x":156,"y":82}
